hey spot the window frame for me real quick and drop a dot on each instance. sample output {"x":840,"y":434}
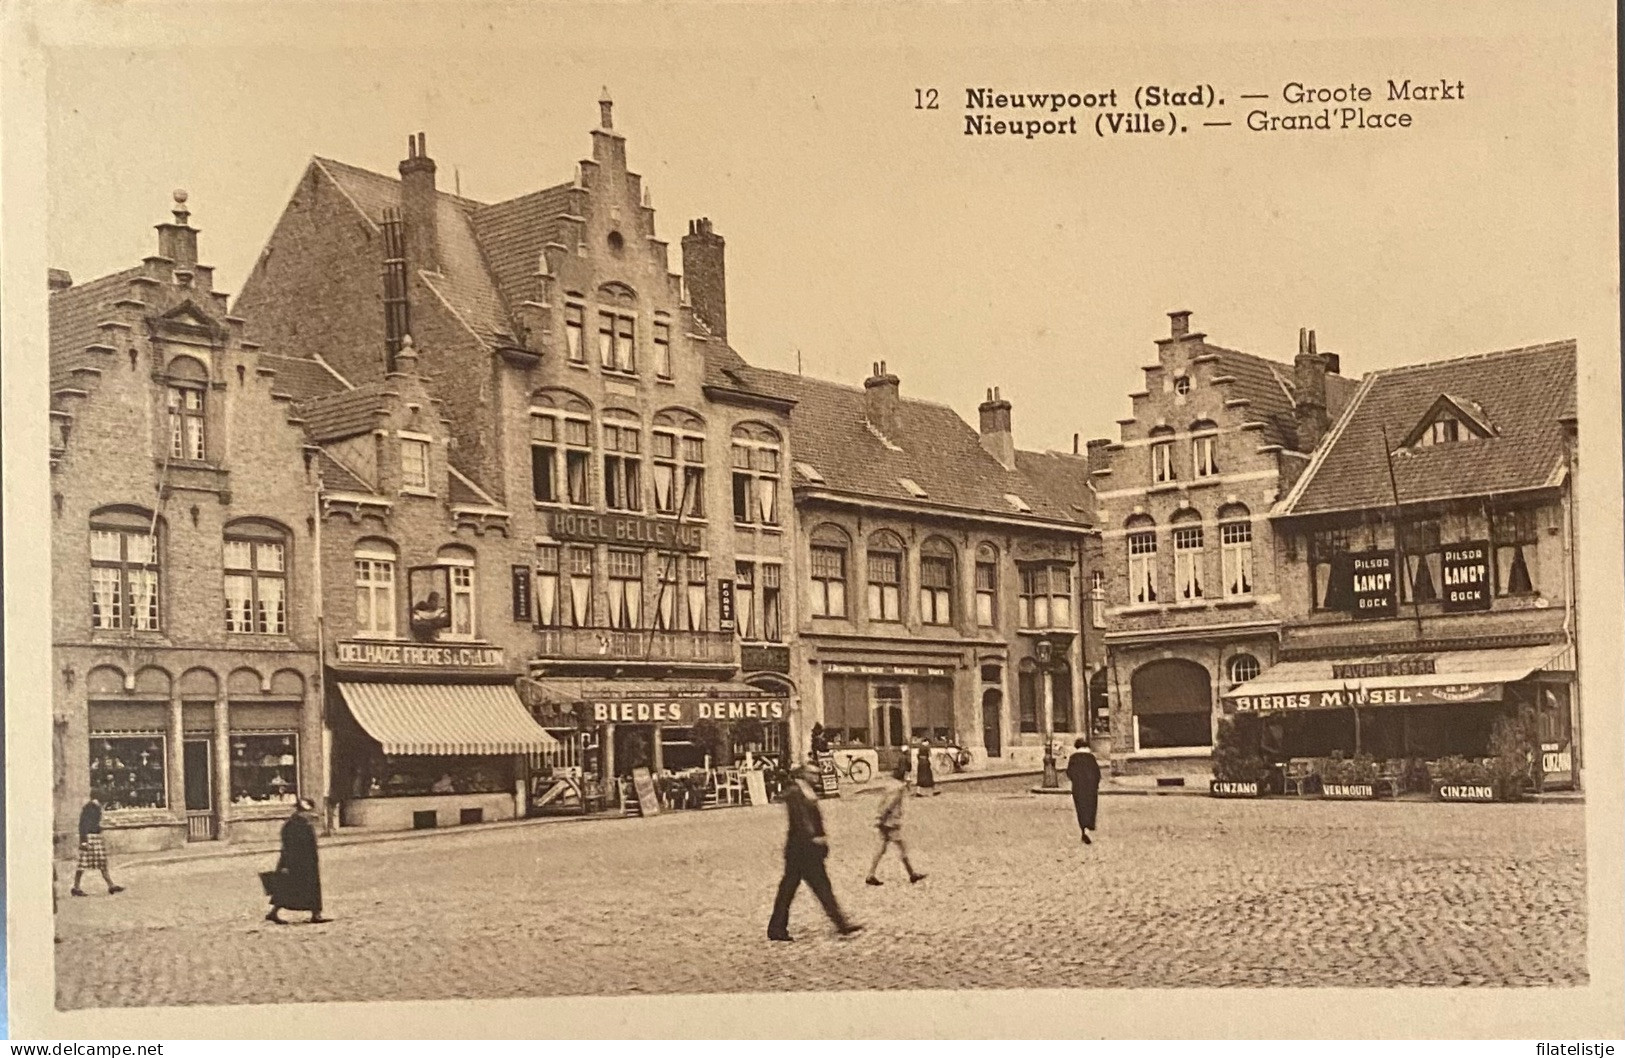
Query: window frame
{"x":756,"y":486}
{"x":1140,"y":544}
{"x":822,"y":583}
{"x":623,"y":466}
{"x":878,"y":593}
{"x":1236,"y":557}
{"x":1189,"y":562}
{"x":188,"y":426}
{"x":125,"y":526}
{"x":376,"y":559}
{"x":423,"y":445}
{"x":1204,"y":450}
{"x":987,"y":587}
{"x":255,"y":538}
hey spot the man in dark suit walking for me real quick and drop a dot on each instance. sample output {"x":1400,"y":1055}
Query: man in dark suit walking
{"x":1083,"y":771}
{"x":805,"y":848}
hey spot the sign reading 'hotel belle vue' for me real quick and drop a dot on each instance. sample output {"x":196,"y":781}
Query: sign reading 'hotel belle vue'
{"x":625,"y":530}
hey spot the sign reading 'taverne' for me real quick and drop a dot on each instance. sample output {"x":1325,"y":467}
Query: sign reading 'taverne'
{"x":629,"y":530}
{"x":1466,"y":577}
{"x":407,"y":655}
{"x":1351,"y":697}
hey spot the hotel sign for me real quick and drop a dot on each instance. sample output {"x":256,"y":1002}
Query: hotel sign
{"x":624,"y":530}
{"x":1360,"y":697}
{"x":1466,"y":577}
{"x":415,"y":655}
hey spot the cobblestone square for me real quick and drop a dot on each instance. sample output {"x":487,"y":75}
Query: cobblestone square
{"x":1176,"y":891}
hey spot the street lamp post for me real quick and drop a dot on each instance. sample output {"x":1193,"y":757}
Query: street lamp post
{"x":1046,"y":665}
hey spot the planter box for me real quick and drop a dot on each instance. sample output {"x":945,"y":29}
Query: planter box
{"x":1475,"y":792}
{"x":1228,"y":788}
{"x":1348,"y":791}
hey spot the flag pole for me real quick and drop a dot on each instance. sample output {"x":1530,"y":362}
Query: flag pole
{"x":1399,"y":550}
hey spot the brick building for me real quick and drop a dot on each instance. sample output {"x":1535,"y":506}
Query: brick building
{"x":1191,"y":591}
{"x":590,"y":407}
{"x":184,"y":551}
{"x":1426,"y":567}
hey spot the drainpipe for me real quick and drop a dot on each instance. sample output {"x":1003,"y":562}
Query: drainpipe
{"x":329,"y":810}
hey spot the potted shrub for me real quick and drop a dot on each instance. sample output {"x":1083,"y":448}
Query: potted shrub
{"x":1460,"y":779}
{"x":1514,"y":754}
{"x":1352,"y":779}
{"x":1238,"y":769}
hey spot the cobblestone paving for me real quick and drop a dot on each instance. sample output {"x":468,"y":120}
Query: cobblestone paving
{"x":1176,"y":891}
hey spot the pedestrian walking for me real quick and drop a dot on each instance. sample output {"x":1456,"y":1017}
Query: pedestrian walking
{"x":92,"y":849}
{"x":805,"y":849}
{"x":1083,"y":771}
{"x":889,"y":822}
{"x":925,"y":780}
{"x":298,"y":874}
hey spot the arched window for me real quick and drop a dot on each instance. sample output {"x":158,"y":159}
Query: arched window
{"x":1236,"y":550}
{"x":827,"y":571}
{"x":1242,"y":667}
{"x":1204,"y":448}
{"x":255,"y":562}
{"x":1162,"y":455}
{"x":1189,"y":572}
{"x":1142,"y":560}
{"x":375,"y":588}
{"x":756,"y":451}
{"x":987,"y":586}
{"x":124,"y":569}
{"x":623,"y":461}
{"x":937,"y":581}
{"x":677,"y":452}
{"x":560,"y":448}
{"x":885,"y":577}
{"x":186,"y":386}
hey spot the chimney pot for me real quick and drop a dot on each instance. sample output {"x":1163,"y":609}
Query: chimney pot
{"x":882,"y":404}
{"x":706,"y":274}
{"x":995,"y":430}
{"x":58,"y":279}
{"x":420,"y":206}
{"x":1179,"y":323}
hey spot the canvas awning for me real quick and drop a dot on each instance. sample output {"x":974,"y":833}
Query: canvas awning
{"x":1447,"y":677}
{"x":446,"y":719}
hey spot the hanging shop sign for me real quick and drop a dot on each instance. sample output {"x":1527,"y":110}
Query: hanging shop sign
{"x":836,"y":668}
{"x":725,"y":604}
{"x":1359,"y":697}
{"x":521,"y":593}
{"x":1374,"y":589}
{"x":764,"y":657}
{"x":682,"y":712}
{"x":624,"y":530}
{"x":1466,"y":577}
{"x":412,"y":655}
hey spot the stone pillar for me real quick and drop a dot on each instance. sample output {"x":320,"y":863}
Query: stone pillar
{"x":222,"y":767}
{"x":657,"y":752}
{"x":175,"y":766}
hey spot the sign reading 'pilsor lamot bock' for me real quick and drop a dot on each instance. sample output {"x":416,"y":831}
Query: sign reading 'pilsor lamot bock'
{"x":1466,"y":575}
{"x":1375,"y":591}
{"x":625,"y":530}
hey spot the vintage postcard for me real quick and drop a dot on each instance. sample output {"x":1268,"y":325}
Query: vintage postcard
{"x":924,"y":520}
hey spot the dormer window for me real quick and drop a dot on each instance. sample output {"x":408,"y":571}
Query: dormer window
{"x":1449,"y":420}
{"x":1443,"y":431}
{"x":414,"y":464}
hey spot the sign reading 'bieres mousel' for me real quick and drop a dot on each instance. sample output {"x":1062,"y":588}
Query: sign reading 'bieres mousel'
{"x":408,"y":655}
{"x":625,"y":530}
{"x":1352,"y":697}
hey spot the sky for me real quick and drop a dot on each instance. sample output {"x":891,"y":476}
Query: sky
{"x":859,"y":228}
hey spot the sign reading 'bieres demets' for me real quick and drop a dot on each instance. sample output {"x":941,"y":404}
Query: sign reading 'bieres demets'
{"x":626,"y":530}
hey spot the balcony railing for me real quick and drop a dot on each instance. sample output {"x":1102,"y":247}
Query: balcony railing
{"x":636,"y":644}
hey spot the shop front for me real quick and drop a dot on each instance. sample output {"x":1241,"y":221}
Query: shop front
{"x":1408,"y":712}
{"x":886,"y":709}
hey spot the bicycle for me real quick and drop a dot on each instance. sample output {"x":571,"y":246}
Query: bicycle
{"x":854,"y":769}
{"x":946,"y":760}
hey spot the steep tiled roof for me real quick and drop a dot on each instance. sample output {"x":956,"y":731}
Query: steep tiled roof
{"x":937,"y":450}
{"x":464,"y":492}
{"x":1523,"y":394}
{"x":1267,"y":386}
{"x":513,"y":233}
{"x":302,"y":378}
{"x":344,"y":414}
{"x":336,"y":477}
{"x":76,"y":317}
{"x":1064,"y":478}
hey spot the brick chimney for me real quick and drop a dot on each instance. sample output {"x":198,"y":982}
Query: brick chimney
{"x":997,"y":438}
{"x":1309,"y":392}
{"x":1096,"y":457}
{"x":177,"y":241}
{"x":420,"y":207}
{"x":58,"y":279}
{"x":882,"y":404}
{"x":1179,"y":323}
{"x":705,"y":273}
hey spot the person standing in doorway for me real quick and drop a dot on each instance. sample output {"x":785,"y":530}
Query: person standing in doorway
{"x":92,"y":849}
{"x":805,"y":849}
{"x":925,"y":780}
{"x":299,"y":876}
{"x":889,"y":821}
{"x":1083,"y":771}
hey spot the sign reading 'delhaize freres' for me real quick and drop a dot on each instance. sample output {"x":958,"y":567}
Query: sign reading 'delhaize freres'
{"x":413,"y":655}
{"x":1466,"y":577}
{"x":625,"y":530}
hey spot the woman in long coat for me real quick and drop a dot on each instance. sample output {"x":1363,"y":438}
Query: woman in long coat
{"x":299,"y":877}
{"x":1083,"y":771}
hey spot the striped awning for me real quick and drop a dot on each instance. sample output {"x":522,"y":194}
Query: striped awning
{"x":445,"y":719}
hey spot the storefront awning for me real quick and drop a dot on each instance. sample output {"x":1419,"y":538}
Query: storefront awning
{"x":1446,"y":677}
{"x":678,"y":702}
{"x":445,"y":719}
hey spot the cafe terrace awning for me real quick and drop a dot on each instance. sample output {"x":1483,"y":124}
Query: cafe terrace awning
{"x":1448,"y":677}
{"x":445,"y":719}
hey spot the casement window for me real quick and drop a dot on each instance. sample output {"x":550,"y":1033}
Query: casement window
{"x":668,"y":570}
{"x":581,"y":587}
{"x":129,"y":771}
{"x":698,"y":591}
{"x":1162,"y":457}
{"x":1204,"y":449}
{"x":626,"y":589}
{"x":936,"y":589}
{"x":574,"y":324}
{"x":745,"y":599}
{"x":615,"y":343}
{"x":623,"y":470}
{"x":1142,"y":568}
{"x":987,"y":586}
{"x":548,"y":596}
{"x":1423,"y":558}
{"x":187,"y":431}
{"x":1046,"y":596}
{"x":755,"y":457}
{"x":375,"y":590}
{"x":256,"y":583}
{"x":264,"y":768}
{"x":679,"y":473}
{"x":662,"y":342}
{"x":1097,"y":598}
{"x":544,"y":458}
{"x":124,"y":571}
{"x":1236,"y":556}
{"x":1188,"y":563}
{"x":577,"y":463}
{"x":885,"y":578}
{"x":460,"y":584}
{"x":1328,"y":553}
{"x":827,"y":573}
{"x":772,"y":602}
{"x":414,"y":464}
{"x":1514,"y":535}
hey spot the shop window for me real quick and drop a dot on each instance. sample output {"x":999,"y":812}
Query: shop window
{"x":987,"y":586}
{"x":414,"y":464}
{"x":548,"y":613}
{"x":1046,"y":596}
{"x":623,"y":469}
{"x":1204,"y":449}
{"x":124,"y":570}
{"x":1097,"y":598}
{"x":1027,"y":690}
{"x":1423,"y":556}
{"x":1330,"y":586}
{"x":772,"y":601}
{"x":615,"y":343}
{"x":574,"y":325}
{"x":846,"y":710}
{"x":931,"y":710}
{"x":1142,"y":564}
{"x":662,"y":340}
{"x":128,"y":771}
{"x":1162,"y":456}
{"x":264,"y":769}
{"x":626,"y":589}
{"x":375,"y":589}
{"x":936,"y":582}
{"x":256,"y":586}
{"x":827,"y":572}
{"x":1242,"y":668}
{"x":1188,"y":563}
{"x":1172,"y":705}
{"x":187,"y":424}
{"x":414,"y":776}
{"x":1515,"y":536}
{"x":885,"y":577}
{"x":698,"y":584}
{"x":1236,"y":551}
